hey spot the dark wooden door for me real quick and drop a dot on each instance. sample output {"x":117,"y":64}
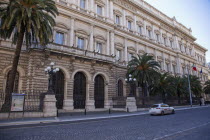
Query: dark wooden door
{"x":79,"y":94}
{"x":99,"y":92}
{"x":58,"y":87}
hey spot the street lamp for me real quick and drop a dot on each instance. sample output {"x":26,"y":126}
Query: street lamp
{"x":51,"y":71}
{"x":188,"y":69}
{"x":131,"y":81}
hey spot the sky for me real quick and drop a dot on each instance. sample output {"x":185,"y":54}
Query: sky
{"x":194,"y":14}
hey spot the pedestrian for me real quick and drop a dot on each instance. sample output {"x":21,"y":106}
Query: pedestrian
{"x":200,"y":101}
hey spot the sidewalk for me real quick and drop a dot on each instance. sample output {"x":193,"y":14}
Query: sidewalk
{"x":77,"y":118}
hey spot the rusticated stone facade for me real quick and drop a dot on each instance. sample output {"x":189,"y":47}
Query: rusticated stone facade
{"x":98,"y":37}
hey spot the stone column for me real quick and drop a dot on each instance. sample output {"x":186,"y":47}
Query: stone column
{"x":155,"y":55}
{"x":124,"y":19}
{"x":178,"y":65}
{"x":90,"y":103}
{"x":167,"y":40}
{"x":68,"y":103}
{"x":161,"y":37}
{"x":153,"y":32}
{"x":111,"y":9}
{"x":72,"y":33}
{"x":107,"y":8}
{"x":49,"y":108}
{"x":135,"y":26}
{"x":164,"y":62}
{"x":170,"y":63}
{"x":126,"y":50}
{"x":176,"y":43}
{"x":144,"y":32}
{"x":131,"y":104}
{"x":92,"y":7}
{"x":112,"y":42}
{"x":91,"y":46}
{"x":107,"y":102}
{"x":107,"y":43}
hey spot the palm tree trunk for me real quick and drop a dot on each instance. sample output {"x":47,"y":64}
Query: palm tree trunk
{"x":7,"y":104}
{"x":143,"y":94}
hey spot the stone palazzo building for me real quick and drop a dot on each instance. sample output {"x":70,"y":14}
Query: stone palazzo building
{"x":93,"y":42}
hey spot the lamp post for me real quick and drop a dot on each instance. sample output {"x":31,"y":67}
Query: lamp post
{"x":188,"y":67}
{"x":51,"y":71}
{"x":131,"y":81}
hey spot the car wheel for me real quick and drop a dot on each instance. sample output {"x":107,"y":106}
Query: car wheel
{"x":173,"y":112}
{"x":162,"y":113}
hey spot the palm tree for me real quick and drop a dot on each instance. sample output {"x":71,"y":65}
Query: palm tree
{"x":195,"y":85}
{"x":180,"y":87}
{"x":207,"y":87}
{"x":144,"y":68}
{"x":31,"y":20}
{"x":163,"y":86}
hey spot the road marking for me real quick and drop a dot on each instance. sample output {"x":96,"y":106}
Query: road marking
{"x":179,"y":132}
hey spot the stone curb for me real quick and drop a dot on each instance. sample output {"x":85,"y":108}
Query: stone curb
{"x":57,"y":120}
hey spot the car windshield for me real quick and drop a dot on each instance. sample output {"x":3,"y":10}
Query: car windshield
{"x":154,"y":106}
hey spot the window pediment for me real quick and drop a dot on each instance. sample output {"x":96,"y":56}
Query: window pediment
{"x":157,"y":32}
{"x":149,"y":28}
{"x":141,"y":51}
{"x":99,"y":38}
{"x":140,"y":23}
{"x":131,"y":49}
{"x":129,"y":18}
{"x":117,"y":12}
{"x":81,"y":33}
{"x":62,"y":25}
{"x":159,"y":57}
{"x":100,"y":2}
{"x":119,"y":45}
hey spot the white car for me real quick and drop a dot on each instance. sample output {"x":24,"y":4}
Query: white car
{"x":161,"y":109}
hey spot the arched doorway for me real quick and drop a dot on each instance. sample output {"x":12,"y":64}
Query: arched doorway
{"x":99,"y":91}
{"x":120,"y":88}
{"x":79,"y":94}
{"x":58,"y":87}
{"x":16,"y":84}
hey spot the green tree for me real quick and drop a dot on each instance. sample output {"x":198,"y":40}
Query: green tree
{"x":180,"y":87}
{"x":163,"y":86}
{"x":195,"y":85}
{"x":207,"y":87}
{"x":144,"y":68}
{"x":31,"y":20}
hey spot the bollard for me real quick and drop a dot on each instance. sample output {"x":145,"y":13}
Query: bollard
{"x":127,"y":109}
{"x":85,"y":112}
{"x":57,"y":113}
{"x":109,"y":111}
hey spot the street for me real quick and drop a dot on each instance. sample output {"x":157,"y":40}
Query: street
{"x":191,"y":124}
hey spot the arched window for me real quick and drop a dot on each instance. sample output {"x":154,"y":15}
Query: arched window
{"x":15,"y":88}
{"x":120,"y":88}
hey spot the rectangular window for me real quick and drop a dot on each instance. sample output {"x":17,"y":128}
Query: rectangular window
{"x":190,"y":51}
{"x":167,"y":66}
{"x":59,"y":38}
{"x":129,"y":25}
{"x":160,"y":64}
{"x":140,"y":29}
{"x":130,"y":56}
{"x":81,"y":43}
{"x":174,"y":69}
{"x":164,"y":39}
{"x":171,"y":43}
{"x":118,"y":54}
{"x":157,"y":37}
{"x":99,"y":10}
{"x":185,"y":48}
{"x":99,"y":47}
{"x":117,"y":19}
{"x":82,"y":4}
{"x":149,"y":33}
{"x":180,"y":47}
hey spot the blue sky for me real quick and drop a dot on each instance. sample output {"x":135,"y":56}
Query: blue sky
{"x":191,"y":13}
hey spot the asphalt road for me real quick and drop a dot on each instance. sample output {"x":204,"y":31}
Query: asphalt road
{"x":193,"y":124}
